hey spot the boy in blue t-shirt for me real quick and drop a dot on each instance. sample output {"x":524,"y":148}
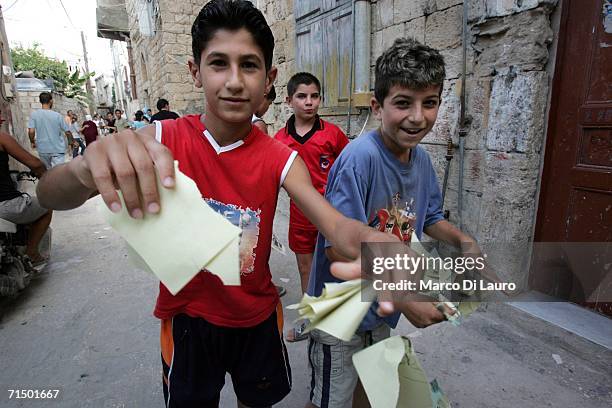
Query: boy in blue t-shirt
{"x":386,"y":180}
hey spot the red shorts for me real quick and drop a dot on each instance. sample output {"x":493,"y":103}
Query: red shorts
{"x":302,"y":241}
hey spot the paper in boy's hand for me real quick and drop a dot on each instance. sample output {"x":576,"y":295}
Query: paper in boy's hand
{"x":392,"y":376}
{"x":184,"y":238}
{"x":339,"y":309}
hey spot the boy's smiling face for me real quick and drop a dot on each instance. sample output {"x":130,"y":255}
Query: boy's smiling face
{"x":233,"y":74}
{"x":406,"y":116}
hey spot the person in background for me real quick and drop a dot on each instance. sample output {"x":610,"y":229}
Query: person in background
{"x":139,"y":120}
{"x":120,"y":122}
{"x":21,"y":208}
{"x":68,"y":117}
{"x":149,"y":114}
{"x":261,"y":111}
{"x":163,"y":106}
{"x":48,"y":132}
{"x":90,"y":130}
{"x":78,"y":145}
{"x":318,"y":143}
{"x":100,"y":124}
{"x":110,"y":123}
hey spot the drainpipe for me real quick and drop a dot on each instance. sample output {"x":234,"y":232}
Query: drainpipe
{"x":128,"y":43}
{"x":362,"y":45}
{"x":463,"y":121}
{"x":360,"y":55}
{"x":449,"y":157}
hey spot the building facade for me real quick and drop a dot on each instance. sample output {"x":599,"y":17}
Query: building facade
{"x":498,"y":97}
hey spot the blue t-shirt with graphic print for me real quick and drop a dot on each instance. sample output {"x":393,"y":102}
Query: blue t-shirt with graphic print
{"x":369,"y":184}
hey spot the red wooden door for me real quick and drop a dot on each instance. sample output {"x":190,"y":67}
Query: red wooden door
{"x":576,"y":194}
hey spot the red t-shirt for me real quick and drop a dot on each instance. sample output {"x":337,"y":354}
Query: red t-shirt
{"x":241,"y":182}
{"x":319,"y":148}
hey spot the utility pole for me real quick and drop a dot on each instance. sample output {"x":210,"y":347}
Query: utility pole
{"x":88,"y":83}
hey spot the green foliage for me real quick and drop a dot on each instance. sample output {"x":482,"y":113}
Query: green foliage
{"x":33,"y":59}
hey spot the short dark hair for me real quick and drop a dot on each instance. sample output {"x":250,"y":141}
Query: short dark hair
{"x":231,"y":15}
{"x":271,"y":96}
{"x":118,"y":110}
{"x":408,"y":63}
{"x":300,"y":78}
{"x":139,"y":115}
{"x":45,"y":97}
{"x":162,"y":103}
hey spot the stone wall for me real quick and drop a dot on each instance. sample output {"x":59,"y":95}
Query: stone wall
{"x":507,"y":91}
{"x":160,"y":61}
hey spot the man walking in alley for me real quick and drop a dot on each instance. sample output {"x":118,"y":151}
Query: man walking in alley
{"x":163,"y":106}
{"x":48,"y":131}
{"x":121,"y":123}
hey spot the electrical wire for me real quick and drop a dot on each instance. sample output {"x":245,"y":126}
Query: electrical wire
{"x":67,"y":15}
{"x":9,"y":7}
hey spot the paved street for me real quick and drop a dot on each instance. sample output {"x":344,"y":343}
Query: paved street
{"x":85,"y":326}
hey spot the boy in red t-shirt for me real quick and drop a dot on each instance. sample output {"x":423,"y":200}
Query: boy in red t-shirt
{"x":318,"y":143}
{"x":208,"y":329}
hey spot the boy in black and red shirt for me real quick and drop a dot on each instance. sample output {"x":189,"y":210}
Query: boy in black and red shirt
{"x":208,"y":329}
{"x":318,"y":143}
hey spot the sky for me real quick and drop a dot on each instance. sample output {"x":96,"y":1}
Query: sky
{"x":58,"y":32}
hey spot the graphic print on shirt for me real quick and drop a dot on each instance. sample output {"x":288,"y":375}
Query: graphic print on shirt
{"x":248,"y":221}
{"x":324,"y":162}
{"x":399,"y":219}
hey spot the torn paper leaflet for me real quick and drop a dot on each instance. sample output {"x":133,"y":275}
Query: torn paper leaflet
{"x":443,"y":275}
{"x":184,"y":238}
{"x":392,"y":376}
{"x":340,"y":308}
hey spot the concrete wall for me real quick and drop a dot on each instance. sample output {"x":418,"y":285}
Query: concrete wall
{"x":160,"y":61}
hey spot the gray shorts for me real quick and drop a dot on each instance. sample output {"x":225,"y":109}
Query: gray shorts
{"x":332,"y":375}
{"x":21,"y":210}
{"x":51,"y":160}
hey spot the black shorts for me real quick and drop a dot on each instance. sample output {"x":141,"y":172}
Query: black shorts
{"x":196,"y":355}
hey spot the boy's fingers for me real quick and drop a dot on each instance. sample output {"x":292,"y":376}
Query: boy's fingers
{"x":147,"y":178}
{"x":125,"y":175}
{"x":385,"y":308}
{"x":164,"y":162}
{"x":346,"y":270}
{"x":102,"y":178}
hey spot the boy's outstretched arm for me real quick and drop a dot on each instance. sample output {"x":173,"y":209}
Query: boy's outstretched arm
{"x":346,"y":234}
{"x":121,"y":161}
{"x":447,"y":232}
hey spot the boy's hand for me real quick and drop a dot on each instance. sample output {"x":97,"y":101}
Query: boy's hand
{"x":126,"y":161}
{"x":420,"y":313}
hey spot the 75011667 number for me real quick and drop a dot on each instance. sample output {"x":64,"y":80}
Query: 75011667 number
{"x":33,"y":394}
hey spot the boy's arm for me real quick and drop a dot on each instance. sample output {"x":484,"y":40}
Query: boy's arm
{"x":447,"y":232}
{"x":32,"y":137}
{"x":69,"y":137}
{"x":123,"y":161}
{"x":345,"y":234}
{"x":15,"y":150}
